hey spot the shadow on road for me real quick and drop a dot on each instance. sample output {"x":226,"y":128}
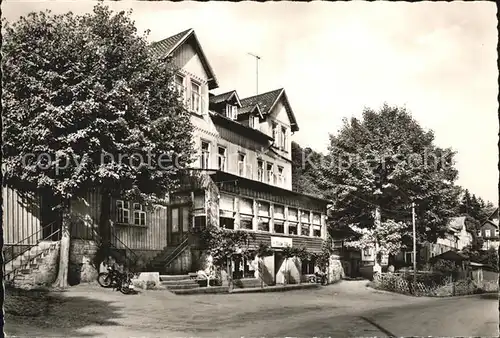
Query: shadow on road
{"x":489,"y":296}
{"x":386,"y":332}
{"x":43,"y":310}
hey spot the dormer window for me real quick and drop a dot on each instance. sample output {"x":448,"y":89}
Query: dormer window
{"x":253,"y":122}
{"x":231,"y":111}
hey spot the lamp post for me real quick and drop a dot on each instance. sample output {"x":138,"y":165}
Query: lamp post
{"x":414,"y":246}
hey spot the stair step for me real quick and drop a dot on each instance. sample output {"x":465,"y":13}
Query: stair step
{"x":213,"y":289}
{"x":25,"y":271}
{"x":179,"y":282}
{"x":33,"y":266}
{"x":173,"y":277}
{"x":181,"y":286}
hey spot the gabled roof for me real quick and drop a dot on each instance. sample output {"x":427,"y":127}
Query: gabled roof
{"x":267,"y":101}
{"x":166,"y":47}
{"x":250,"y":110}
{"x":225,"y":97}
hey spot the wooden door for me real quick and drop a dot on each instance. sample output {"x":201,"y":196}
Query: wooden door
{"x":178,"y":224}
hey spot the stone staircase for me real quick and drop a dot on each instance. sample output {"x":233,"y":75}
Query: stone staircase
{"x":25,"y":268}
{"x":158,"y":262}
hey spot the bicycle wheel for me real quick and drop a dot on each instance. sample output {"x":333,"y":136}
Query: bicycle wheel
{"x":104,"y":280}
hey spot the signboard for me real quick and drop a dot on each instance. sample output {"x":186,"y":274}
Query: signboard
{"x":280,"y":242}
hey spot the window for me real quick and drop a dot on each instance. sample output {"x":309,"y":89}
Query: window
{"x":241,"y":164}
{"x":496,"y":232}
{"x":253,"y":122}
{"x":281,"y":176}
{"x":205,"y":155}
{"x":479,"y":233}
{"x":139,"y":214}
{"x":185,"y":219}
{"x":226,"y":211}
{"x":199,"y":211}
{"x":195,"y":97}
{"x":409,"y":256}
{"x":283,"y":139}
{"x":242,"y":268}
{"x":270,"y":173}
{"x":279,"y":219}
{"x":231,"y":112}
{"x":487,"y":233}
{"x":175,"y":220}
{"x":179,"y":86}
{"x":304,"y":223}
{"x":260,"y":170}
{"x":275,"y":131}
{"x":123,"y":211}
{"x":246,"y":213}
{"x":308,"y":267}
{"x":221,"y":159}
{"x":293,"y":221}
{"x":263,"y":212}
{"x":316,"y":225}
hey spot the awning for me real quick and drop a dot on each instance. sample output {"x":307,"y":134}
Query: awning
{"x":450,"y":256}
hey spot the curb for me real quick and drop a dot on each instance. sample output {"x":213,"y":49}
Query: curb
{"x":276,"y":289}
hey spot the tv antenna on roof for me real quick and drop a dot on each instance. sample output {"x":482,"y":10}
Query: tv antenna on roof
{"x":257,"y":58}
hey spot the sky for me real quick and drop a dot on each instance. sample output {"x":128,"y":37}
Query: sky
{"x":438,"y":59}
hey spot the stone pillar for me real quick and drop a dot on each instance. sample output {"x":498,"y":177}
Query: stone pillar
{"x":323,"y":227}
{"x":255,"y":215}
{"x":236,"y":213}
{"x":286,"y":220}
{"x":271,"y":218}
{"x":311,"y":226}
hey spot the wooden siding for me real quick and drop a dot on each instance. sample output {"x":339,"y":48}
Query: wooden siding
{"x":20,"y":217}
{"x":85,"y":212}
{"x":151,"y":237}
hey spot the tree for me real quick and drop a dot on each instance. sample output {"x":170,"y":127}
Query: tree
{"x":386,"y":239}
{"x":305,"y":170}
{"x":465,"y":203}
{"x":386,"y":160}
{"x":222,"y":244}
{"x":87,"y":106}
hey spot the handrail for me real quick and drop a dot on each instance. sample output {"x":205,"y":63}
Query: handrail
{"x":127,"y":249}
{"x":30,"y":245}
{"x":7,"y":274}
{"x":177,"y":251}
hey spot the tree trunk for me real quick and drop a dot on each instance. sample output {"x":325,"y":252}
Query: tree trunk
{"x":376,"y":265}
{"x":62,"y":274}
{"x":104,"y":226}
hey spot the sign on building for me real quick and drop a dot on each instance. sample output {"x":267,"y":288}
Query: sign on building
{"x":280,"y":242}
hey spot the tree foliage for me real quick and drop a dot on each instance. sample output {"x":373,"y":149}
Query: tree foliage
{"x":87,"y":105}
{"x":388,"y":236}
{"x":387,"y":159}
{"x":475,"y":207}
{"x":306,"y":174}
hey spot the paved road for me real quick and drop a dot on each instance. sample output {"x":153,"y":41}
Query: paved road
{"x":347,"y":309}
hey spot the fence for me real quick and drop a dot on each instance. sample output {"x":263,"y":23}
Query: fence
{"x":431,"y":285}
